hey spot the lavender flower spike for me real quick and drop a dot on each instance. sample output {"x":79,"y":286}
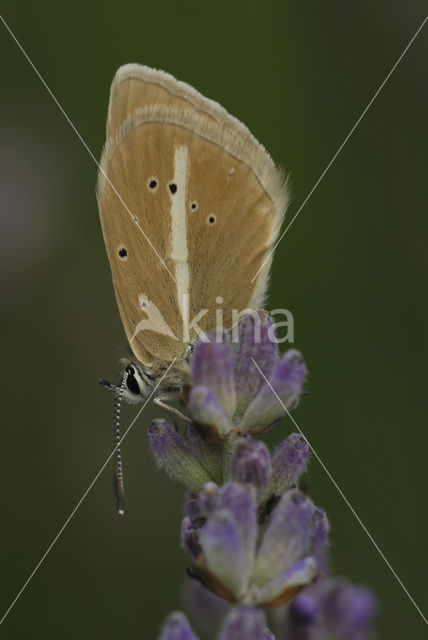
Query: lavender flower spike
{"x":253,"y":539}
{"x":229,"y":391}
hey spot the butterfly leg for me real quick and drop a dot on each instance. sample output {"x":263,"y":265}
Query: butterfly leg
{"x":170,"y":409}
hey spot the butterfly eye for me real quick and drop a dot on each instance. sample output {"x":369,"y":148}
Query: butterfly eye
{"x":131,"y":381}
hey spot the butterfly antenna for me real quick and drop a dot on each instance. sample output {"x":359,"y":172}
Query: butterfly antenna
{"x":118,"y":469}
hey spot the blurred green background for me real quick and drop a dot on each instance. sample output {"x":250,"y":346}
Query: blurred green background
{"x":353,"y":270}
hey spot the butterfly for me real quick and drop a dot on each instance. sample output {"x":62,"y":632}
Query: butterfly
{"x":191,"y":206}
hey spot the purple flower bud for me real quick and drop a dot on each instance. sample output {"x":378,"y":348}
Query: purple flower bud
{"x":279,"y":396}
{"x":303,"y":610}
{"x":287,"y":536}
{"x":348,"y":609}
{"x":172,"y":453}
{"x":212,"y":367}
{"x":177,"y":627}
{"x":208,"y":414}
{"x":253,"y":342}
{"x":228,"y":537}
{"x":320,"y":530}
{"x":251,"y":464}
{"x":224,"y":552}
{"x":244,"y":622}
{"x":333,"y":608}
{"x":289,"y":461}
{"x":241,"y":503}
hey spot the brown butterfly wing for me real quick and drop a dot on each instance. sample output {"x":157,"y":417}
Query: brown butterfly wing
{"x":207,"y":239}
{"x":136,"y":86}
